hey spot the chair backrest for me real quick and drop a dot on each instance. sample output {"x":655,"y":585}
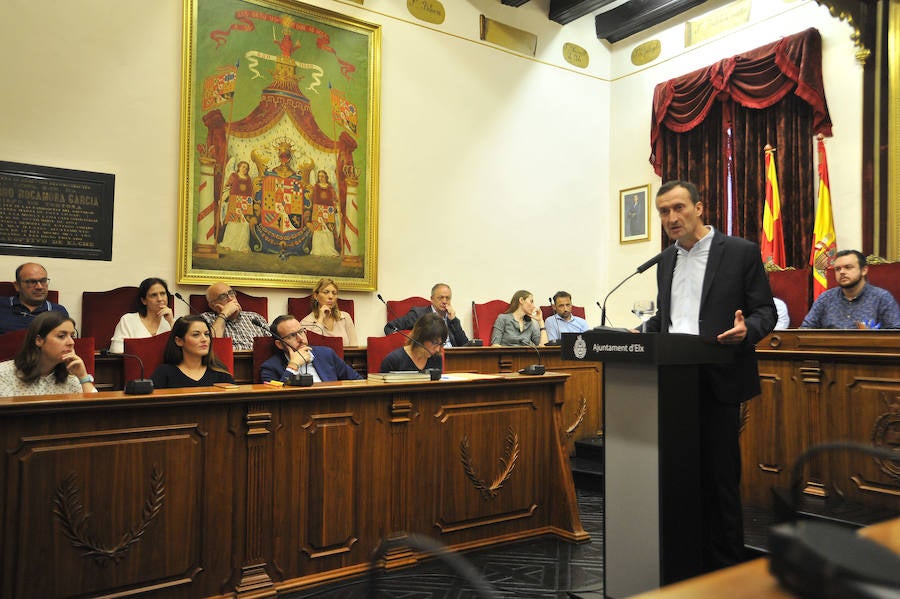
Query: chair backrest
{"x":84,"y":349}
{"x":8,"y":288}
{"x":548,"y":311}
{"x":793,"y":288}
{"x":101,"y":311}
{"x":886,"y":276}
{"x":10,"y":343}
{"x":251,"y":303}
{"x":263,"y":349}
{"x":149,"y":349}
{"x":483,"y":317}
{"x":224,"y":350}
{"x":398,"y":308}
{"x":335,"y":343}
{"x":379,"y":347}
{"x":301,"y":306}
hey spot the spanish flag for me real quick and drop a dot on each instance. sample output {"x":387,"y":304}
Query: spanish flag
{"x":824,"y":245}
{"x":772,"y":243}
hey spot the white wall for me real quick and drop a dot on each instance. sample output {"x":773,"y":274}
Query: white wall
{"x":498,"y":171}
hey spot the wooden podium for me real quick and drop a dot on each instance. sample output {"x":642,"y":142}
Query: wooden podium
{"x":652,"y":525}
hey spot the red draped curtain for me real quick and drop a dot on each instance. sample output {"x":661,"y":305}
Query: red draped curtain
{"x":710,"y":127}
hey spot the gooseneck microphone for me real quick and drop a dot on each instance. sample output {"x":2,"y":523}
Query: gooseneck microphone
{"x":534,"y":369}
{"x":186,"y":303}
{"x":475,"y":342}
{"x":139,"y":386}
{"x":640,"y":269}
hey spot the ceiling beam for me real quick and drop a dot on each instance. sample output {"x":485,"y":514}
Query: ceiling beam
{"x":515,"y":3}
{"x":566,"y":11}
{"x":637,"y":15}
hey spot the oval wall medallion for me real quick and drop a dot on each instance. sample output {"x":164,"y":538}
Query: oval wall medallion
{"x":575,"y":55}
{"x":431,"y":11}
{"x":646,"y":52}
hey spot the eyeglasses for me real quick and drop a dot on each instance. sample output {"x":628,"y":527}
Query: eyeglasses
{"x":294,"y":335}
{"x":35,"y":282}
{"x":228,"y":295}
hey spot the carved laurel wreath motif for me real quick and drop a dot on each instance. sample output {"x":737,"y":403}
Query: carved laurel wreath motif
{"x":74,"y":519}
{"x":582,"y":411}
{"x":507,"y":464}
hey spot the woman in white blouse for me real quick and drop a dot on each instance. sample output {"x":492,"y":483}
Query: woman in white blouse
{"x":152,"y":318}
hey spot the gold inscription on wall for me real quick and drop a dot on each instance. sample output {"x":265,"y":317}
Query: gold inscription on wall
{"x":430,"y":11}
{"x":64,"y":214}
{"x":575,"y":55}
{"x":716,"y":22}
{"x":646,"y":52}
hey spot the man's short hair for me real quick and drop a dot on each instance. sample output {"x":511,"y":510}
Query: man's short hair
{"x":560,"y":294}
{"x":273,"y":328}
{"x":21,"y":266}
{"x":690,"y":187}
{"x":859,"y":256}
{"x":436,"y":285}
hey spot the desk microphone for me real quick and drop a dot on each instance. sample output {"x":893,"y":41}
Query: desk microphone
{"x":186,"y":303}
{"x":301,"y":379}
{"x":640,"y":269}
{"x":139,"y":386}
{"x":475,"y":342}
{"x":534,"y":369}
{"x":390,"y":312}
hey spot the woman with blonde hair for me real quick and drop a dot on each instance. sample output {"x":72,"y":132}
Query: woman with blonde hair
{"x":326,"y":318}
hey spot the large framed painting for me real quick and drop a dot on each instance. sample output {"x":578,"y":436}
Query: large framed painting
{"x":279,"y":145}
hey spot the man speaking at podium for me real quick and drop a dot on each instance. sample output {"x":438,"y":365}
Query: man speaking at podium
{"x":714,"y":285}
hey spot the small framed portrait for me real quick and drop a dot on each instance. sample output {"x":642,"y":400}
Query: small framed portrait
{"x":634,"y":216}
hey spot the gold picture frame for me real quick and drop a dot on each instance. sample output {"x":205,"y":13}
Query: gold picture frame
{"x":279,"y":145}
{"x":634,"y":214}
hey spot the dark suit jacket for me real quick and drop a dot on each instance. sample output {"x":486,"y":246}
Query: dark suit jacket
{"x":327,"y":363}
{"x":734,"y":280}
{"x":406,"y":322}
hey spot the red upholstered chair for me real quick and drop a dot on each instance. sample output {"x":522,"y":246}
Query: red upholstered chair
{"x":793,"y":288}
{"x":251,"y":303}
{"x":8,"y":288}
{"x":224,"y":350}
{"x":301,"y":306}
{"x":548,"y":311}
{"x":483,"y":317}
{"x":335,"y":343}
{"x":84,"y":348}
{"x":10,"y":343}
{"x":263,"y":349}
{"x":379,"y":347}
{"x":149,"y":349}
{"x":398,"y":308}
{"x":101,"y":311}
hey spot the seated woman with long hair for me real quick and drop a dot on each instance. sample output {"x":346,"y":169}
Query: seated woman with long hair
{"x":521,"y":324}
{"x":189,"y":360}
{"x":47,"y":363}
{"x":152,"y":318}
{"x":423,"y":348}
{"x":326,"y":318}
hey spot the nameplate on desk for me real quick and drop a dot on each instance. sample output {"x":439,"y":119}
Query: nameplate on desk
{"x":642,"y":348}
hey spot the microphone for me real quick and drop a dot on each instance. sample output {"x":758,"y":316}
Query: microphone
{"x":534,"y":369}
{"x":390,"y":312}
{"x":259,"y":322}
{"x":139,"y":386}
{"x":640,"y":269}
{"x":476,"y":342}
{"x":186,"y":303}
{"x":302,"y":379}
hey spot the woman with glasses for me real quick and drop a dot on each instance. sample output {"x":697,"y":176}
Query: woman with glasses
{"x":422,"y":349}
{"x":326,"y":318}
{"x":188,"y":360}
{"x":152,"y":318}
{"x":47,"y":363}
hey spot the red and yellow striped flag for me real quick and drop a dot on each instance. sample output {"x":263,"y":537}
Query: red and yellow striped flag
{"x":772,"y":242}
{"x":824,"y":244}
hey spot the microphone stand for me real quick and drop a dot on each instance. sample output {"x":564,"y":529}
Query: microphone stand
{"x":534,"y":369}
{"x":475,"y":341}
{"x":186,"y":303}
{"x":139,"y":386}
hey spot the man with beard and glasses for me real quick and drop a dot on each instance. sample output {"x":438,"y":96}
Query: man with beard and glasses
{"x":853,"y":304}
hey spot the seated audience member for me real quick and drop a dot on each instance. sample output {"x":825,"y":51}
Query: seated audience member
{"x":188,"y":360}
{"x":440,"y":305}
{"x":32,"y":285}
{"x":152,"y":318}
{"x":784,"y":319}
{"x":521,"y":324}
{"x":853,"y":304}
{"x":226,"y":319}
{"x":298,"y":357}
{"x":423,"y":348}
{"x":326,"y":318}
{"x":47,"y":363}
{"x":563,"y":321}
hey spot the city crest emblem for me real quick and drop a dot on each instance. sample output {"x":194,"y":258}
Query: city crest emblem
{"x":580,"y":348}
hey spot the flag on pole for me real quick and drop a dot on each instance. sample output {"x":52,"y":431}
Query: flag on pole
{"x":343,"y":111}
{"x":824,"y":245}
{"x":219,"y":87}
{"x":772,"y":245}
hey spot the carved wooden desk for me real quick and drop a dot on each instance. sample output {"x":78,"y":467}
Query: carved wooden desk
{"x":259,"y":491}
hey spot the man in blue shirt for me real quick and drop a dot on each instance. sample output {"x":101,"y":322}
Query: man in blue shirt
{"x":563,"y":321}
{"x":32,"y":287}
{"x":853,"y":304}
{"x":298,"y":357}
